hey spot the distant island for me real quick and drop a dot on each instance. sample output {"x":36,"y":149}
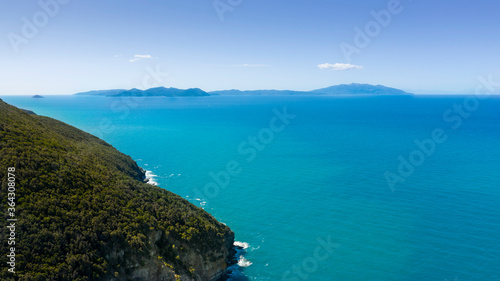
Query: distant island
{"x":343,"y":89}
{"x":153,"y":92}
{"x":37,"y":97}
{"x":360,"y":89}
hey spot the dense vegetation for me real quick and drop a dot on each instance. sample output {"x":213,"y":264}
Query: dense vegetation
{"x":79,"y":200}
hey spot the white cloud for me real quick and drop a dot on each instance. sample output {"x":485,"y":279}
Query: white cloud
{"x":339,"y":66}
{"x":249,"y":65}
{"x":143,"y":56}
{"x":140,"y":57}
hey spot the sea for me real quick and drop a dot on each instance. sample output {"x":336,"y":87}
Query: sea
{"x":321,"y":188}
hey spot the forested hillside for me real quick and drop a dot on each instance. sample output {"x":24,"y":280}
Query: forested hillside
{"x":84,"y":213}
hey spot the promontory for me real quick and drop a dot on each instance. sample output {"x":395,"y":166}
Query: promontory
{"x":80,"y":210}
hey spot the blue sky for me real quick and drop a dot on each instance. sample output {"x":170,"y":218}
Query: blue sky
{"x":246,"y":44}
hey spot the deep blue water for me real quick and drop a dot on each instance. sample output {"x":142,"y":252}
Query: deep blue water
{"x":311,"y":197}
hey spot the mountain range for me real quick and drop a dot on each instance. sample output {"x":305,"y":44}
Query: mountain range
{"x":152,"y":92}
{"x":343,"y":89}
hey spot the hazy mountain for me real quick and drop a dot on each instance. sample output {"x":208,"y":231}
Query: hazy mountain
{"x":359,"y":89}
{"x":101,"y":92}
{"x":343,"y":89}
{"x":153,"y":92}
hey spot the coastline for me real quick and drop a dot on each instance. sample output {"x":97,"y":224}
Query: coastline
{"x":236,"y":262}
{"x":156,"y":220}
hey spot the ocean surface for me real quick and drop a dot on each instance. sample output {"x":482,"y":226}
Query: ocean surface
{"x":322,"y":188}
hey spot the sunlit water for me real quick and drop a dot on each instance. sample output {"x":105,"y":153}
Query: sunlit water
{"x":310,"y":195}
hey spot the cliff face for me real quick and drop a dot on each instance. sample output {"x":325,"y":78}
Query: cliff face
{"x":84,"y":213}
{"x":199,"y":267}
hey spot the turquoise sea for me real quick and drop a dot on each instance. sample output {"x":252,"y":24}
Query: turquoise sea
{"x":306,"y":190}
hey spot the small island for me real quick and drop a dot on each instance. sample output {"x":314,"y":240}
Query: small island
{"x":37,"y":97}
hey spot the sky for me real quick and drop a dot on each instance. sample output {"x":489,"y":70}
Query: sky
{"x":69,"y":46}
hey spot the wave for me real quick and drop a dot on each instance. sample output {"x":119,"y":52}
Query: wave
{"x":202,"y":202}
{"x":243,"y":245}
{"x":150,"y":178}
{"x":244,"y":262}
{"x":241,"y":248}
{"x":255,"y":249}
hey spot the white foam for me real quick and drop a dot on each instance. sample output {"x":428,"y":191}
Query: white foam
{"x":254,"y":249}
{"x":202,"y":202}
{"x":243,"y":245}
{"x":244,"y":262}
{"x":150,"y":177}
